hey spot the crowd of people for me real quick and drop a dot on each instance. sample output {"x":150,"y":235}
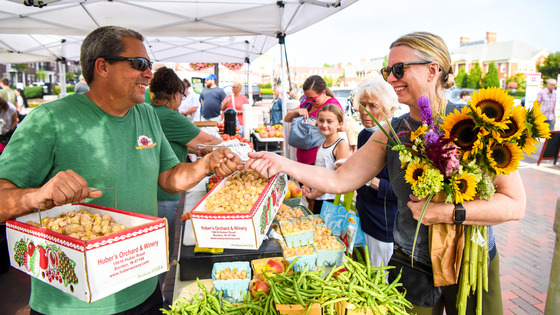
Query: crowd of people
{"x":113,"y":110}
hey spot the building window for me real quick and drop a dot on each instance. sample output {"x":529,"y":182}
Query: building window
{"x":503,"y":67}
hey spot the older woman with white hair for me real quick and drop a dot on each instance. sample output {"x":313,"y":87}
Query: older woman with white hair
{"x":376,"y":201}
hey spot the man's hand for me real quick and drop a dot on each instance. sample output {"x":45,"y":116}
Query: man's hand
{"x":223,"y":162}
{"x":267,"y":164}
{"x":65,"y":187}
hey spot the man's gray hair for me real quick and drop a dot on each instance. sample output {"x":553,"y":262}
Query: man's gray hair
{"x":103,"y":41}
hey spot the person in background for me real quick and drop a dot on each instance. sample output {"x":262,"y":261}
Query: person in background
{"x":104,"y":138}
{"x":22,"y":105}
{"x":81,"y":86}
{"x":547,"y":99}
{"x":330,"y":120}
{"x":464,"y":97}
{"x":168,"y":92}
{"x":418,"y":64}
{"x":276,"y":108}
{"x":376,"y":201}
{"x":190,"y":106}
{"x":235,"y":100}
{"x":211,"y":100}
{"x":6,"y":92}
{"x":8,"y":120}
{"x":317,"y":95}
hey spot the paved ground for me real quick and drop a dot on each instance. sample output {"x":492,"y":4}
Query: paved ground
{"x":525,"y":248}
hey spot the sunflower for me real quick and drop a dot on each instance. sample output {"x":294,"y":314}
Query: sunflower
{"x":464,"y":187}
{"x":515,"y":125}
{"x":536,"y":120}
{"x":415,"y":172}
{"x":478,"y":144}
{"x":503,"y":157}
{"x":462,"y":127}
{"x":493,"y":105}
{"x":418,"y":132}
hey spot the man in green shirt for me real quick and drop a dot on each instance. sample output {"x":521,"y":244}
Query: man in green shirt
{"x":104,"y":138}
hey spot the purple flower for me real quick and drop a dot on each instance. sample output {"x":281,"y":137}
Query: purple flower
{"x":431,"y":137}
{"x":425,"y":109}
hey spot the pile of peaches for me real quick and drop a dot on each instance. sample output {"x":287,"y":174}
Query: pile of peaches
{"x":276,"y":131}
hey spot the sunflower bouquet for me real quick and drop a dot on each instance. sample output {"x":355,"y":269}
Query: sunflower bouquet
{"x":456,"y":157}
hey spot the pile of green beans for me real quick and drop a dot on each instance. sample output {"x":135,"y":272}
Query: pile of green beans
{"x":357,"y":283}
{"x":365,"y":287}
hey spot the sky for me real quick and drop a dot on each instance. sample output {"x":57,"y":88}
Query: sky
{"x":366,"y":29}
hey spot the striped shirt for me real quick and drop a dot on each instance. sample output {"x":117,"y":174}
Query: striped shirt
{"x":547,"y":100}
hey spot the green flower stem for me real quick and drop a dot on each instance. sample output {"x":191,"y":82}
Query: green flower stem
{"x":393,"y":141}
{"x":418,"y":227}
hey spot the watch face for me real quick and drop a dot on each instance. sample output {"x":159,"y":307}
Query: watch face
{"x":460,"y":215}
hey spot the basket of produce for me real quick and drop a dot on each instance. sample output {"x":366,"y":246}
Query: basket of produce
{"x":330,"y":250}
{"x":306,"y":257}
{"x":287,"y":214}
{"x":316,"y":219}
{"x":232,"y":278}
{"x":297,"y":232}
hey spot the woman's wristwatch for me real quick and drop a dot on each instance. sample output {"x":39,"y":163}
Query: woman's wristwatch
{"x":459,"y":214}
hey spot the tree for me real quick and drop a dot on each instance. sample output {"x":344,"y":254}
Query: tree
{"x":491,"y":78}
{"x":551,"y":66}
{"x":329,"y":81}
{"x":326,"y":65}
{"x":70,"y":76}
{"x":461,"y":78}
{"x":41,"y":74}
{"x":473,"y":80}
{"x":385,"y":61}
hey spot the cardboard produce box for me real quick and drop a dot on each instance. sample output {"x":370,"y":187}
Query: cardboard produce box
{"x":90,"y":270}
{"x":239,"y":230}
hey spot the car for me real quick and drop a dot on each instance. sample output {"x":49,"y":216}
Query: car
{"x":452,"y":95}
{"x":342,"y":94}
{"x":257,"y":96}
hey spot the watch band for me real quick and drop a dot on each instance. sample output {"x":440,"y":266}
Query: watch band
{"x":459,"y":214}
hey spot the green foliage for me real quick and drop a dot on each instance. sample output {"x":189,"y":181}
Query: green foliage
{"x":461,"y":78}
{"x":266,"y":91}
{"x":491,"y":78}
{"x":20,"y":67}
{"x":266,"y":86}
{"x":326,"y":65}
{"x":33,"y":92}
{"x":41,"y":74}
{"x":519,"y":79}
{"x":551,"y":66}
{"x":517,"y":94}
{"x":386,"y":61}
{"x":473,"y":80}
{"x":329,"y":81}
{"x":70,"y":76}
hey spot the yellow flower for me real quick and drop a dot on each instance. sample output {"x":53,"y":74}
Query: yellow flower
{"x":478,"y":144}
{"x":415,"y":172}
{"x":504,"y":157}
{"x":515,"y":125}
{"x":493,"y":105}
{"x":464,"y":187}
{"x":462,"y":127}
{"x":535,"y":128}
{"x":418,"y":132}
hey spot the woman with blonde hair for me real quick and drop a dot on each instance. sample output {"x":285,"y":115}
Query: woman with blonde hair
{"x":236,"y":100}
{"x":419,"y":64}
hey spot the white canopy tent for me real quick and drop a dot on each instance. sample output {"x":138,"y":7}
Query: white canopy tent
{"x":175,"y":30}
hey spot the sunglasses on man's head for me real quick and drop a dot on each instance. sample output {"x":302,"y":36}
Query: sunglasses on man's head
{"x":138,"y":63}
{"x":398,"y":69}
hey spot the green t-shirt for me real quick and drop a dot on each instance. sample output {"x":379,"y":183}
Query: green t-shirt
{"x":179,"y":131}
{"x":126,"y":153}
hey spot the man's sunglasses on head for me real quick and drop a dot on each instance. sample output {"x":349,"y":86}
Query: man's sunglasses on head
{"x":398,"y":69}
{"x":138,"y":63}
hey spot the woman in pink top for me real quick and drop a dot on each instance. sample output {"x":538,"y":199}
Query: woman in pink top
{"x":316,"y":95}
{"x":236,"y":99}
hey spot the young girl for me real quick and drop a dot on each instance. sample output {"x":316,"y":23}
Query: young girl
{"x":330,"y":121}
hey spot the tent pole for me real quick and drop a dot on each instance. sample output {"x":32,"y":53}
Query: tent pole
{"x":282,"y":43}
{"x":62,"y":77}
